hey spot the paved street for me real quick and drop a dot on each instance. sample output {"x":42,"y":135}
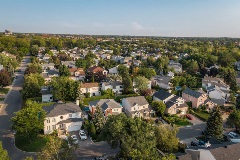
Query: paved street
{"x":12,"y":104}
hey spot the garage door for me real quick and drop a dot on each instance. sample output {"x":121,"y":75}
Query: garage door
{"x":74,"y":128}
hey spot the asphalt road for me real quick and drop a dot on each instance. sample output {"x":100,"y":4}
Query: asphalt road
{"x":12,"y":103}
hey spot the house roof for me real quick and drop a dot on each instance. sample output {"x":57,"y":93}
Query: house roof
{"x":169,"y":104}
{"x":220,"y":102}
{"x":45,"y":75}
{"x":45,"y":90}
{"x":70,"y":120}
{"x":192,"y":93}
{"x":162,"y":95}
{"x":89,"y":85}
{"x":61,"y":109}
{"x":95,"y":69}
{"x":80,"y":70}
{"x":105,"y":103}
{"x":140,"y":100}
{"x":113,"y":83}
{"x":53,"y":72}
{"x":47,"y":64}
{"x":162,"y":79}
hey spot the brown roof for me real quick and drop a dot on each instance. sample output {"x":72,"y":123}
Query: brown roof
{"x":80,"y":70}
{"x":95,"y":69}
{"x":89,"y":85}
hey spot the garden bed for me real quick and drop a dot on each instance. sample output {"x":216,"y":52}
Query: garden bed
{"x":178,"y":121}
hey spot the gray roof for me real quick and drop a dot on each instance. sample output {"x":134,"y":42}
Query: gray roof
{"x":113,"y":83}
{"x":169,"y":104}
{"x":140,"y":100}
{"x":162,"y":95}
{"x":61,"y":109}
{"x":45,"y":90}
{"x":70,"y":120}
{"x":220,"y":102}
{"x":192,"y":93}
{"x":162,"y":79}
{"x":52,"y":72}
{"x":105,"y":103}
{"x":44,"y":75}
{"x":47,"y":64}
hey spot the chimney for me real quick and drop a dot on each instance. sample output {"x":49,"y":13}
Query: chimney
{"x":77,"y":102}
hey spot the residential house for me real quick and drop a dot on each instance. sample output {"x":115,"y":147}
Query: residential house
{"x":108,"y":106}
{"x":46,"y":57}
{"x":77,"y":74}
{"x":97,"y":72}
{"x":63,"y":117}
{"x":137,"y":107}
{"x":126,"y":60}
{"x":46,"y":94}
{"x":170,"y":74}
{"x":174,"y":104}
{"x":218,"y":95}
{"x":177,"y":67}
{"x":214,"y":81}
{"x":162,"y":81}
{"x":137,"y":62}
{"x":48,"y":66}
{"x":113,"y":70}
{"x":198,"y":99}
{"x":49,"y":74}
{"x":117,"y":58}
{"x":116,"y":86}
{"x":91,"y":88}
{"x":69,"y":64}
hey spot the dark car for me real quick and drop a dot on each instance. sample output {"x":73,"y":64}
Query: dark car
{"x":194,"y":143}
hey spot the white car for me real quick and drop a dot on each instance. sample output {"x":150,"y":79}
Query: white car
{"x":232,"y":134}
{"x":81,"y":131}
{"x":74,"y":139}
{"x":83,"y":136}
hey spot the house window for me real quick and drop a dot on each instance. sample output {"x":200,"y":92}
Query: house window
{"x":70,"y":115}
{"x":48,"y":128}
{"x":115,"y":109}
{"x":61,"y":117}
{"x":48,"y":120}
{"x":53,"y":120}
{"x":53,"y":127}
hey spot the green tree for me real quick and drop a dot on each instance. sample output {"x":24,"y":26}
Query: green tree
{"x":127,"y":84}
{"x":141,"y":83}
{"x":81,"y":63}
{"x":34,"y":50}
{"x":32,"y":85}
{"x":3,"y":153}
{"x":147,"y":72}
{"x":29,"y":121}
{"x":98,"y":119}
{"x":214,"y":126}
{"x":159,"y":107}
{"x":64,"y":71}
{"x":33,"y":68}
{"x":234,"y":119}
{"x":28,"y":158}
{"x":123,"y":70}
{"x":161,"y":63}
{"x":166,"y":136}
{"x":192,"y":66}
{"x":56,"y":149}
{"x":5,"y":78}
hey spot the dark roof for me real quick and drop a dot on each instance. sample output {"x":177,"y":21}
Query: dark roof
{"x":45,"y":90}
{"x":140,"y":100}
{"x":169,"y":104}
{"x":70,"y":120}
{"x":192,"y":93}
{"x":220,"y":102}
{"x":162,"y":95}
{"x":105,"y":103}
{"x":52,"y":72}
{"x":113,"y":83}
{"x":61,"y":109}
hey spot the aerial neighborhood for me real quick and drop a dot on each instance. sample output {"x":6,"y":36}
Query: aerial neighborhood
{"x":85,"y":89}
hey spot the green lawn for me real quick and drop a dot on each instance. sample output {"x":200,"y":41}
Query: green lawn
{"x":174,"y":119}
{"x":35,"y":146}
{"x":201,"y":115}
{"x":4,"y":90}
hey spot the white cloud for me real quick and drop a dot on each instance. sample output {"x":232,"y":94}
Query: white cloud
{"x":137,"y":26}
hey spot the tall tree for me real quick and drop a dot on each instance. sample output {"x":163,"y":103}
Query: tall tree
{"x":98,"y":119}
{"x":166,"y":136}
{"x":29,"y":121}
{"x":233,"y":119}
{"x":214,"y":126}
{"x":123,"y":70}
{"x":56,"y":149}
{"x":3,"y":153}
{"x":81,"y":63}
{"x":159,"y":107}
{"x":64,"y":71}
{"x":147,"y":72}
{"x":141,"y":83}
{"x":5,"y":78}
{"x":33,"y":68}
{"x":127,"y":84}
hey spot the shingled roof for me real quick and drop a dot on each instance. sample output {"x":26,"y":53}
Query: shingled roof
{"x":140,"y":100}
{"x":105,"y":103}
{"x":61,"y":109}
{"x":162,"y":95}
{"x":192,"y":93}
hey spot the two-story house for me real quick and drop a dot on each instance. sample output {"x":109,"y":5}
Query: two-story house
{"x":116,"y":86}
{"x":91,"y":88}
{"x":174,"y":104}
{"x":46,"y":94}
{"x":77,"y":74}
{"x":162,"y":81}
{"x":198,"y":99}
{"x":97,"y":73}
{"x":137,"y":107}
{"x":108,"y":106}
{"x":177,"y":67}
{"x":63,"y":117}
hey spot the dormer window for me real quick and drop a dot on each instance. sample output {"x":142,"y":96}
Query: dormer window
{"x":70,"y":115}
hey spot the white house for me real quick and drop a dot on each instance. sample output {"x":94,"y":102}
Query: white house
{"x":63,"y":117}
{"x":137,"y":107}
{"x":162,"y":81}
{"x":47,"y":66}
{"x":113,"y":70}
{"x":216,"y":92}
{"x":108,"y":106}
{"x":46,"y":94}
{"x":177,"y":67}
{"x":91,"y":88}
{"x":214,"y":81}
{"x":116,"y":86}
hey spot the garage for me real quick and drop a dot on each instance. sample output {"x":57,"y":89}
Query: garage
{"x":74,"y":128}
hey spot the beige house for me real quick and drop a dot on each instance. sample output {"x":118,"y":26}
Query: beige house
{"x":137,"y":107}
{"x":91,"y":88}
{"x":198,"y":99}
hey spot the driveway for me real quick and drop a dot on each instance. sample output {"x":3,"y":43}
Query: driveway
{"x":88,"y":149}
{"x":12,"y":103}
{"x":195,"y":120}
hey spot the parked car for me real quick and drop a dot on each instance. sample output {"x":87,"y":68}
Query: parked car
{"x":82,"y":135}
{"x":189,"y":117}
{"x":194,"y":143}
{"x":232,"y":134}
{"x":74,"y":139}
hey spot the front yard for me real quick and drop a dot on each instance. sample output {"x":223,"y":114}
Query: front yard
{"x":203,"y":115}
{"x":35,"y":146}
{"x":4,"y":90}
{"x":178,"y":121}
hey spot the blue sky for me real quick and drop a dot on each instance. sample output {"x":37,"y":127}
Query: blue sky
{"x":204,"y":18}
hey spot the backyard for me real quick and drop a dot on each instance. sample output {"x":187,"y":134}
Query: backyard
{"x":178,"y":121}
